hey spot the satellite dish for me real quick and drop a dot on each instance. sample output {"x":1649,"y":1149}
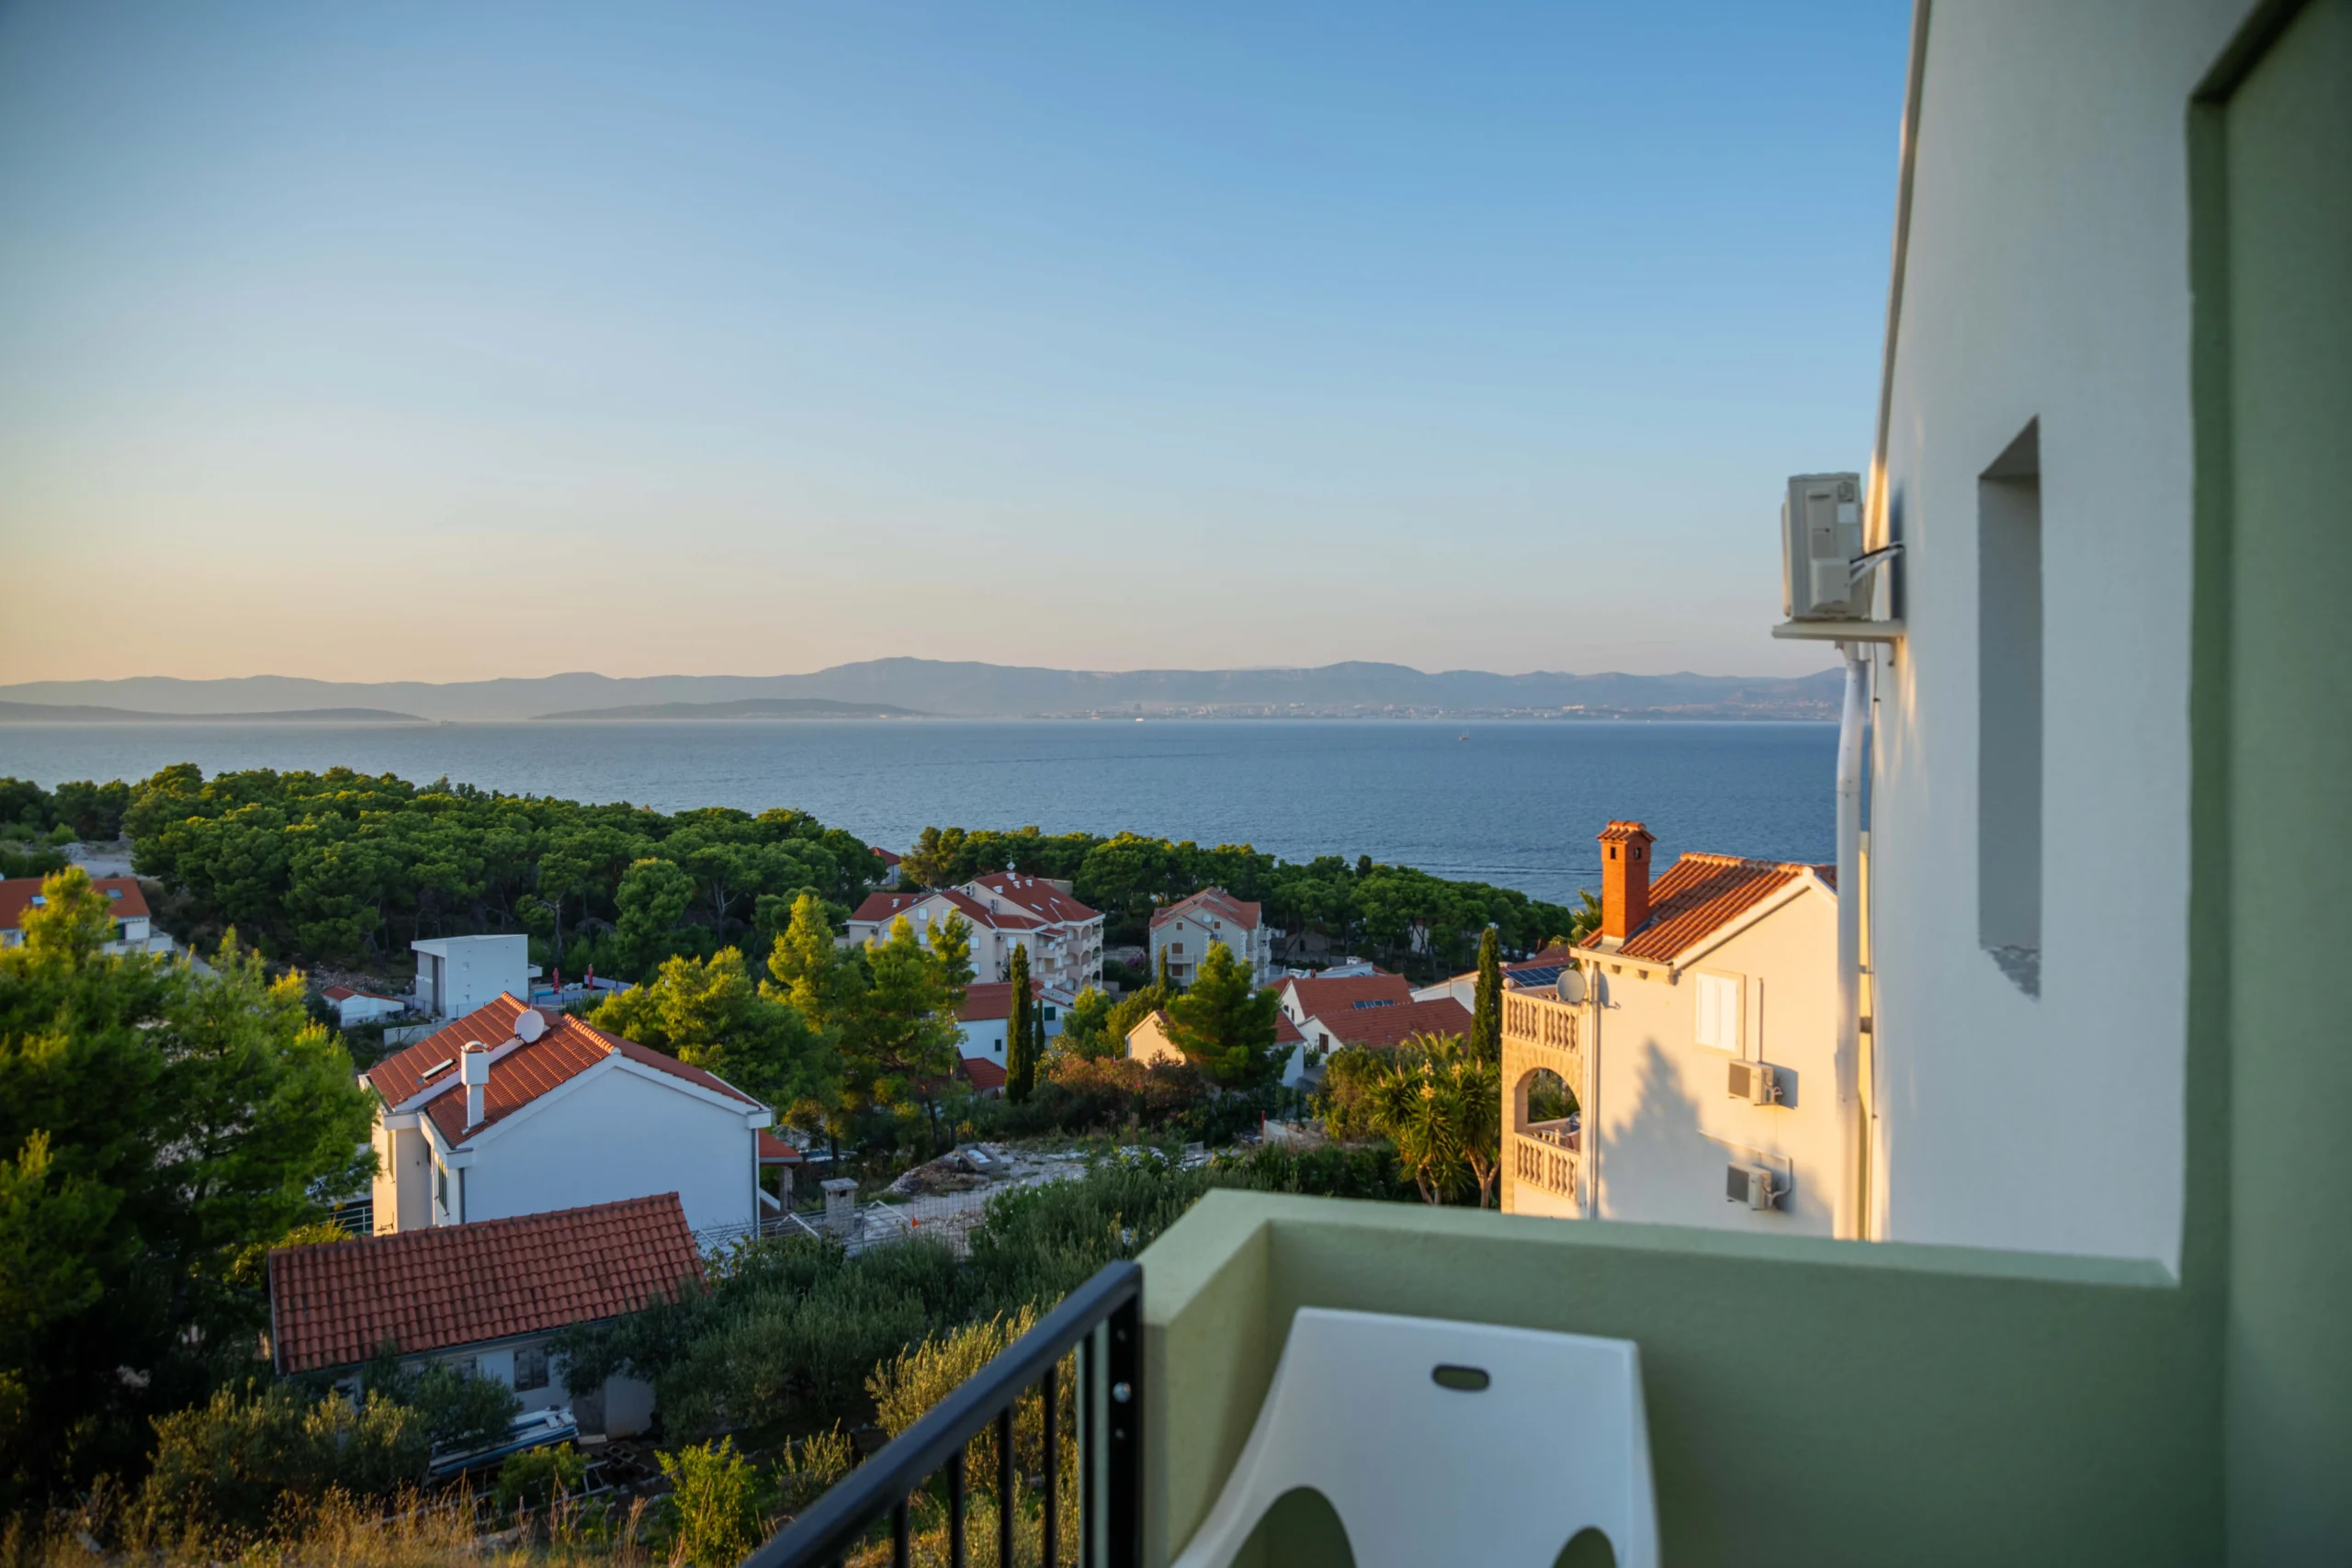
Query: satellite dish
{"x":530,"y":1025}
{"x":1571,"y":987}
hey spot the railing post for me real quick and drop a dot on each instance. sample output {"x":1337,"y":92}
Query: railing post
{"x":1123,"y":1458}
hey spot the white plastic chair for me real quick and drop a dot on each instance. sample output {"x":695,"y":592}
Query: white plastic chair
{"x":1425,"y":1472}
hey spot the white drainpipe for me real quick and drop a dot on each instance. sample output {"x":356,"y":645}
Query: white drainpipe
{"x":1853,"y":1200}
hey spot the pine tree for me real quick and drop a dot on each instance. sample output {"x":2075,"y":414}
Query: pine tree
{"x":1225,"y":1025}
{"x":1487,"y":1009}
{"x":1020,"y":1050}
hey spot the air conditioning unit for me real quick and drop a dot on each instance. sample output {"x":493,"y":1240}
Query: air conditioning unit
{"x":1821,"y":538}
{"x":1754,"y":1185}
{"x":1755,"y":1083}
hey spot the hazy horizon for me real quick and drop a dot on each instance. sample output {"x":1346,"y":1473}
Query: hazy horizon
{"x":446,"y":344}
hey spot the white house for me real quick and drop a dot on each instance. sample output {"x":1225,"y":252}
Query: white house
{"x":1702,"y":1060}
{"x":510,"y":1111}
{"x":360,"y":1006}
{"x":455,"y":975}
{"x":1062,"y":936}
{"x":487,"y":1297}
{"x":1185,"y":930}
{"x":134,"y":927}
{"x":987,"y":1014}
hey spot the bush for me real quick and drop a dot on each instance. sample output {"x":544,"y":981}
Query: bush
{"x":1359,"y":1171}
{"x":458,"y":1409}
{"x":714,"y":1505}
{"x":910,"y":1384}
{"x":1040,"y":1242}
{"x":227,"y":1464}
{"x":810,"y":1467}
{"x":1078,"y":1095}
{"x":540,"y":1475}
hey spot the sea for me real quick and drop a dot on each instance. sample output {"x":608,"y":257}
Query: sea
{"x":1513,"y":803}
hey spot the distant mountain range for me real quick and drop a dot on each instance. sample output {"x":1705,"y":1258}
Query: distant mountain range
{"x":925,"y":686}
{"x":751,"y":709}
{"x":53,"y":713}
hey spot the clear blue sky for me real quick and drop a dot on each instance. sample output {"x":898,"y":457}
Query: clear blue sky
{"x":440,"y":341}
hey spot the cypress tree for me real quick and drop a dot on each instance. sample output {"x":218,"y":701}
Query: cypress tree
{"x":1487,"y":1009}
{"x":1020,"y":1052}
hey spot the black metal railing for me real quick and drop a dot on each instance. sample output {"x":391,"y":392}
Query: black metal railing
{"x":1102,"y":1320}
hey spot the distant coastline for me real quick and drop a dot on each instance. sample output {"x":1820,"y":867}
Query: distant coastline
{"x":83,"y":713}
{"x":751,"y":710}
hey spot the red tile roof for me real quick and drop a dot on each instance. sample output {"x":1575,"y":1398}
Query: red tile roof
{"x":887,"y":858}
{"x":18,"y":893}
{"x":1698,"y":896}
{"x":447,"y":1286}
{"x":1339,"y":996}
{"x":987,"y":999}
{"x":517,"y":1077}
{"x":775,"y":1151}
{"x":984,"y":1074}
{"x":1040,"y":898}
{"x":881,"y":909}
{"x":1211,"y":901}
{"x":1389,"y":1026}
{"x":1285,"y":1032}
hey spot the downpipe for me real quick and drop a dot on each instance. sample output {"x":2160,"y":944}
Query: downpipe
{"x":1849,"y":1218}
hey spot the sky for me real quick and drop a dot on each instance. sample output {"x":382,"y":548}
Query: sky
{"x":426,"y":341}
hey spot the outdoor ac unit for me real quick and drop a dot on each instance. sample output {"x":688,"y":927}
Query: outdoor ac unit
{"x":1755,"y":1083}
{"x":1754,"y":1185}
{"x":1821,"y":538}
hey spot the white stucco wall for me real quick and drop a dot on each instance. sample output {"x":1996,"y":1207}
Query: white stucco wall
{"x":612,"y":1134}
{"x":2047,"y":280}
{"x":478,"y":970}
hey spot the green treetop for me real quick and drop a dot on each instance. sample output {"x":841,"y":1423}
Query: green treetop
{"x":1020,"y":1054}
{"x":1487,"y":1009}
{"x":1225,"y":1025}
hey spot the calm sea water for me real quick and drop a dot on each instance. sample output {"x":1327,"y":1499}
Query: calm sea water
{"x":1516,"y":804}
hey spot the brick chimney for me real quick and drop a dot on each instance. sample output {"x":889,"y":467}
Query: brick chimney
{"x":474,"y":1068}
{"x":1624,"y":880}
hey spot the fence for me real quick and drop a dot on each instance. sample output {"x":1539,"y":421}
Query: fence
{"x":1102,"y":1320}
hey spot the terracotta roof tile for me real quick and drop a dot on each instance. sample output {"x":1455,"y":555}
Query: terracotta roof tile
{"x":881,"y":909}
{"x":1037,"y":896}
{"x":984,"y":1074}
{"x":1330,"y":996}
{"x":454,"y":1285}
{"x":517,"y":1075}
{"x":18,"y":893}
{"x":1349,"y":1025}
{"x":1698,"y":896}
{"x":987,"y":999}
{"x":1214,"y":901}
{"x":775,"y":1151}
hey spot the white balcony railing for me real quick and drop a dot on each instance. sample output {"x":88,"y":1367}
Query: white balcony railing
{"x":1539,"y":1018}
{"x":1545,"y":1158}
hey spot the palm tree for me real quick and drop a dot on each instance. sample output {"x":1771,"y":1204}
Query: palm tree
{"x":1442,"y":1108}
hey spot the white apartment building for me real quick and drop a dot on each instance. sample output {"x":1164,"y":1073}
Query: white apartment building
{"x":457,"y":975}
{"x":1186,"y":930}
{"x":1006,"y":911}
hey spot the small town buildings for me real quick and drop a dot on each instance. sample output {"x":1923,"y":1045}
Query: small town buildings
{"x":890,"y":863}
{"x":511,"y":1111}
{"x":1700,"y":1056}
{"x":1148,"y":1043}
{"x":457,"y":975}
{"x":360,"y":1006}
{"x":1186,"y":930}
{"x":1006,"y":911}
{"x":987,"y":1013}
{"x":1531,"y":974}
{"x":487,"y":1297}
{"x":134,"y":927}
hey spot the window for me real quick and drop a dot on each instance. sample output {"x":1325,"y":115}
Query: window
{"x":1718,"y":1012}
{"x":1176,"y":947}
{"x":530,"y":1369}
{"x":441,"y":1185}
{"x":2008,"y":710}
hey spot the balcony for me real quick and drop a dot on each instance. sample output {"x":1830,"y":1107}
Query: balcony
{"x":1544,"y":1026}
{"x":1544,"y":1155}
{"x":1808,"y":1401}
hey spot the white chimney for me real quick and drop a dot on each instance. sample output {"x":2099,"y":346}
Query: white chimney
{"x":474,"y":1068}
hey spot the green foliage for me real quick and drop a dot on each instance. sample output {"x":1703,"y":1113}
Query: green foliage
{"x":538,"y":1476}
{"x":811,"y":1465}
{"x":458,"y":1409}
{"x":341,"y":865}
{"x":82,"y":810}
{"x":1442,"y":1109}
{"x":905,"y":1387}
{"x":1344,"y":1103}
{"x":1487,"y":1009}
{"x":1038,"y":1244}
{"x":153,"y":1127}
{"x":228,"y":1463}
{"x":1021,"y":1027}
{"x":1333,"y":1171}
{"x":899,"y":1035}
{"x":1079,"y":1094}
{"x":1086,"y":1028}
{"x":1225,"y":1025}
{"x":706,"y":1013}
{"x":714,"y":1505}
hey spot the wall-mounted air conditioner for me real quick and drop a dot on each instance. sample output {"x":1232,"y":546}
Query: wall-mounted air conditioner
{"x":1755,"y":1083}
{"x":1826,"y":579}
{"x":1755,"y":1186}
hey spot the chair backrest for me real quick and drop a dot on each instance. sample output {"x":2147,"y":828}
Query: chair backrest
{"x":1436,"y":1441}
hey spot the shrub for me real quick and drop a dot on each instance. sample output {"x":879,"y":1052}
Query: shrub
{"x":1078,"y":1095}
{"x":227,"y":1464}
{"x":1040,"y":1242}
{"x":458,"y":1409}
{"x":907,"y":1386}
{"x":714,"y":1505}
{"x":810,"y":1466}
{"x":1345,"y":1171}
{"x":540,"y":1475}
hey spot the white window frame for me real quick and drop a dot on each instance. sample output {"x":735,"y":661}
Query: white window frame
{"x":1717,"y":1003}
